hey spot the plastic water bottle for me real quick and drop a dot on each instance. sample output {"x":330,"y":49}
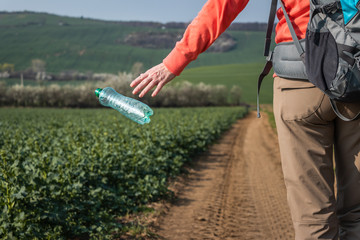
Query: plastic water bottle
{"x":131,"y":108}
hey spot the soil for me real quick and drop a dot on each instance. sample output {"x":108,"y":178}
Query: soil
{"x":233,"y":191}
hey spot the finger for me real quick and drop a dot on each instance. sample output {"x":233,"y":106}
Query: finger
{"x":138,"y":79}
{"x":142,"y":85}
{"x":148,"y":88}
{"x":158,"y":88}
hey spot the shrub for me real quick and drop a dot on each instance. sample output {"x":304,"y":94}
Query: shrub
{"x":183,"y":94}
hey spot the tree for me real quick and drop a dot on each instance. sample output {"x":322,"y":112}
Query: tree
{"x":38,"y":65}
{"x":137,"y":68}
{"x":235,"y":95}
{"x":7,"y":67}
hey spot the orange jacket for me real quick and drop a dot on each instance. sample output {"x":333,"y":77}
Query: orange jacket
{"x":216,"y":16}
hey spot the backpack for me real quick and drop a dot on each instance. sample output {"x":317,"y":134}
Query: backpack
{"x":331,"y":58}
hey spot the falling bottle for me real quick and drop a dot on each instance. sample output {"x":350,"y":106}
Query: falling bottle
{"x":129,"y":107}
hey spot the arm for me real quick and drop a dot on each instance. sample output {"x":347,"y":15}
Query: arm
{"x":213,"y":19}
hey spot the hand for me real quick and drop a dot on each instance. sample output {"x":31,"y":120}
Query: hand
{"x":155,"y":76}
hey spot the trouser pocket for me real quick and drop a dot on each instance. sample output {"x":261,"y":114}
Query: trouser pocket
{"x":296,"y":100}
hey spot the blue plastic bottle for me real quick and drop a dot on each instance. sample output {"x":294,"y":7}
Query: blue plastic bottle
{"x":131,"y":108}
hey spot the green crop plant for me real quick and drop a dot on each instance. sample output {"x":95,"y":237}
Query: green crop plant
{"x":69,"y":173}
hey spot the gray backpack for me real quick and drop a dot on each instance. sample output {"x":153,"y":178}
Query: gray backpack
{"x":331,"y":59}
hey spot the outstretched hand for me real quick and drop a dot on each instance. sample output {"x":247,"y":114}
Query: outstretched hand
{"x":157,"y":76}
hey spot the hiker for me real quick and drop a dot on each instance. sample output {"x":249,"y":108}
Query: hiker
{"x":309,"y":131}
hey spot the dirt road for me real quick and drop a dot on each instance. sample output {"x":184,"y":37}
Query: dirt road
{"x":234,"y":191}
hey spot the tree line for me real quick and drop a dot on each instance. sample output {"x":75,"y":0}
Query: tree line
{"x":183,"y":94}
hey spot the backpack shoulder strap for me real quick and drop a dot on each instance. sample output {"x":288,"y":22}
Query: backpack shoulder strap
{"x":268,"y":64}
{"x":270,"y":27}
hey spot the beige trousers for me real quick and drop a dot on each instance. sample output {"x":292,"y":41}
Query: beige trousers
{"x":310,"y":134}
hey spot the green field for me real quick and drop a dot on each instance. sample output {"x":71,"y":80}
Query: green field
{"x":68,"y":173}
{"x":96,"y":46}
{"x":243,"y":75}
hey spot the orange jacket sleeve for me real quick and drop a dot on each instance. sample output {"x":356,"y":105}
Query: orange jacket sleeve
{"x":298,"y":11}
{"x":210,"y":23}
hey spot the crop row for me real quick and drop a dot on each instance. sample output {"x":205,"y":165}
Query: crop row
{"x":66,"y":173}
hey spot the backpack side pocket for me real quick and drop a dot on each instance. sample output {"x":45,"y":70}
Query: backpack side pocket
{"x":321,"y":59}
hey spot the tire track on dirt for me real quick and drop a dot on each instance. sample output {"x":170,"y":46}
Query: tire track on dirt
{"x":234,"y":191}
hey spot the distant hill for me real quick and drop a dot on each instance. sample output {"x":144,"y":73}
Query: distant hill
{"x":82,"y":44}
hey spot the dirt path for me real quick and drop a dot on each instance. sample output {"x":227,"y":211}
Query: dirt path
{"x":235,"y":191}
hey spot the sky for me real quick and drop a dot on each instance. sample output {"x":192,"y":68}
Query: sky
{"x":133,"y":10}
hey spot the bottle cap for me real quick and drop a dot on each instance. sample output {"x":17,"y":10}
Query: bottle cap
{"x":98,"y":91}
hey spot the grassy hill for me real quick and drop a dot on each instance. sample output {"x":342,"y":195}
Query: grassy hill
{"x":67,"y":43}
